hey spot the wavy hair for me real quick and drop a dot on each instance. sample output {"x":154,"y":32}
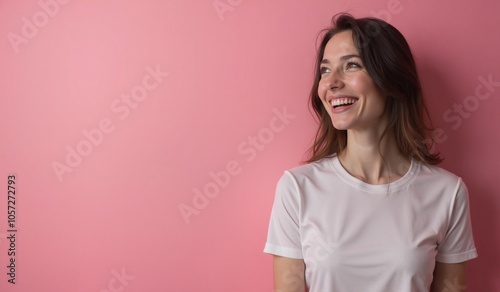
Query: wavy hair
{"x":389,"y":61}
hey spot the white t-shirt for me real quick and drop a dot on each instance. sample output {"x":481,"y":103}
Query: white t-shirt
{"x":357,"y":237}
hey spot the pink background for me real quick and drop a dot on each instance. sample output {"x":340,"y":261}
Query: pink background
{"x":212,"y":124}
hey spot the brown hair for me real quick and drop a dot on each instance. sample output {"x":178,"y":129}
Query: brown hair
{"x":388,"y":60}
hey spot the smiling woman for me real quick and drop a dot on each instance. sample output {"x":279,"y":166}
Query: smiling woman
{"x":369,"y":211}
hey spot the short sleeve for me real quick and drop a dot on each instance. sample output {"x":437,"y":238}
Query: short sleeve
{"x":458,"y":243}
{"x":284,"y":228}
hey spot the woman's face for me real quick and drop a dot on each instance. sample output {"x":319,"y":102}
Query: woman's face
{"x":346,"y":89}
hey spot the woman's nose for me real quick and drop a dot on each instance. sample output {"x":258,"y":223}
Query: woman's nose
{"x":335,"y":81}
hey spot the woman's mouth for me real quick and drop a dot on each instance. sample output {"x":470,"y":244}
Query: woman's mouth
{"x":342,"y":102}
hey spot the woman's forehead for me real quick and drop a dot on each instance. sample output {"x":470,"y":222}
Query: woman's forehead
{"x":339,"y":45}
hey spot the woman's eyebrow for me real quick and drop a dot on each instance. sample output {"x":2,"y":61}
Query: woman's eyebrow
{"x":342,"y":58}
{"x":345,"y":57}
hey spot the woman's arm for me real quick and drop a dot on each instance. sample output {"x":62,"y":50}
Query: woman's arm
{"x":289,"y":275}
{"x":449,"y":277}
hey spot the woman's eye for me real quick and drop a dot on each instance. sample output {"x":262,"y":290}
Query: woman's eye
{"x":324,"y":70}
{"x":351,"y":64}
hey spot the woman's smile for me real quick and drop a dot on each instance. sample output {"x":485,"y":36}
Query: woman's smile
{"x":341,"y":103}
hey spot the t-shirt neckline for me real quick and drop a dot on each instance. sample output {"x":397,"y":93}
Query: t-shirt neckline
{"x":371,"y":188}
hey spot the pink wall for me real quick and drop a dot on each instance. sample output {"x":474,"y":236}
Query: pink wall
{"x":116,"y":114}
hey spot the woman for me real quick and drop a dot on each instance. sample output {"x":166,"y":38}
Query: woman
{"x":370,"y":211}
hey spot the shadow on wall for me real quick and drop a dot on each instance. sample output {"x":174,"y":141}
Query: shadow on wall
{"x":484,"y":271}
{"x":438,"y":89}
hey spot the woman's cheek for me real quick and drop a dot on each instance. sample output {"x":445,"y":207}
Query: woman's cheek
{"x":321,"y":90}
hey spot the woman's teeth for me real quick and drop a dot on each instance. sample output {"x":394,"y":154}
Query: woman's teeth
{"x":342,"y":101}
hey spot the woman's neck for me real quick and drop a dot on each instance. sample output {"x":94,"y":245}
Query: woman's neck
{"x":373,"y":162}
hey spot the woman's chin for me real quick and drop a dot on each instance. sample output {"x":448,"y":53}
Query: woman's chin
{"x":340,"y":128}
{"x":340,"y":125}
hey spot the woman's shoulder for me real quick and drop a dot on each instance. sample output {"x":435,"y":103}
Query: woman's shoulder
{"x":312,"y":169}
{"x":308,"y":174}
{"x":437,"y":174}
